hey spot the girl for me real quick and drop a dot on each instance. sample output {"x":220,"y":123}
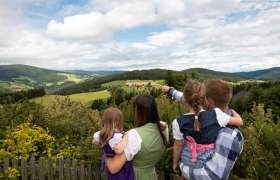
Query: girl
{"x":112,"y":142}
{"x":198,"y":128}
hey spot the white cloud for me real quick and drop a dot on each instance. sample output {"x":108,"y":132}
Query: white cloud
{"x":220,"y":35}
{"x":167,"y":38}
{"x":97,"y":26}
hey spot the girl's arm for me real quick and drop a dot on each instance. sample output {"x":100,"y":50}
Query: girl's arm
{"x":235,"y":119}
{"x":95,"y":140}
{"x":115,"y":164}
{"x":119,"y":148}
{"x":177,"y":147}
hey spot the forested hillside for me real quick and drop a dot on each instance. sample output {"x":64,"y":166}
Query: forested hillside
{"x":96,"y":83}
{"x":32,"y":74}
{"x":23,"y":77}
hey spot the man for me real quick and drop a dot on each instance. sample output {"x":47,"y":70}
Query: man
{"x":229,"y":143}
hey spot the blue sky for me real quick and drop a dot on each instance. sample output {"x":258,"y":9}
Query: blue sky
{"x":229,"y":36}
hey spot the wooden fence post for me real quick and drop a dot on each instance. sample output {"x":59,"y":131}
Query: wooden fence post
{"x":59,"y":167}
{"x":67,"y":169}
{"x":41,"y":168}
{"x":96,"y":171}
{"x":32,"y":168}
{"x":82,"y":170}
{"x":6,"y":165}
{"x":50,"y":168}
{"x":15,"y":164}
{"x":74,"y":168}
{"x":24,"y":169}
{"x":89,"y":171}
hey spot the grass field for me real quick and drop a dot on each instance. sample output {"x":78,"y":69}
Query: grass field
{"x":144,"y":82}
{"x":14,"y":86}
{"x":72,"y":77}
{"x":22,"y":78}
{"x":81,"y":97}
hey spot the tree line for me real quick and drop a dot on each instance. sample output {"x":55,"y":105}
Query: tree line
{"x":12,"y":97}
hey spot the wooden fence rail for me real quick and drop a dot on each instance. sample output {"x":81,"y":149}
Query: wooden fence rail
{"x":58,"y":169}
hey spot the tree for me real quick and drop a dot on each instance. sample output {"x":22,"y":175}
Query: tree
{"x":194,"y":75}
{"x":99,"y":104}
{"x":170,"y":79}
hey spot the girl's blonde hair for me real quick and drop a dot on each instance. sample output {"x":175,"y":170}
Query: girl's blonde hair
{"x":112,"y":119}
{"x":194,"y":95}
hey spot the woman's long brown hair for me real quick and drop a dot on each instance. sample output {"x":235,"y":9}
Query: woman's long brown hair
{"x":145,"y":111}
{"x":112,"y":119}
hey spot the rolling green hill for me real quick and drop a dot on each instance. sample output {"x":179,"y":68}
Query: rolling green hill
{"x":209,"y":74}
{"x":19,"y":77}
{"x":272,"y":73}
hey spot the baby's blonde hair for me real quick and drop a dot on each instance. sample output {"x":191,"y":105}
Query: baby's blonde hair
{"x":112,"y":119}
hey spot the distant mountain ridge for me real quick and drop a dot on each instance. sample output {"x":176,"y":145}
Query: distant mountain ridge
{"x":271,"y":73}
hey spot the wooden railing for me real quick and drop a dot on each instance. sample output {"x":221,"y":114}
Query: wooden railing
{"x":59,"y":169}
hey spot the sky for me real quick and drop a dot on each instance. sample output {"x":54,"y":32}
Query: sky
{"x":220,"y":35}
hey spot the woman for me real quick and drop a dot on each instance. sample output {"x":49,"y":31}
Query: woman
{"x":146,"y":143}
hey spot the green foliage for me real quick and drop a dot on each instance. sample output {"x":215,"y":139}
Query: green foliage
{"x":117,"y":95}
{"x":73,"y":119}
{"x":170,"y":79}
{"x":64,"y":117}
{"x":27,"y":141}
{"x":99,"y":104}
{"x":12,"y":115}
{"x":265,"y":93}
{"x":261,"y":154}
{"x":127,"y":110}
{"x":12,"y":173}
{"x":165,"y":164}
{"x":65,"y":149}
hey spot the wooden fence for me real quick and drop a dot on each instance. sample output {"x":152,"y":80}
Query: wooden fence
{"x":59,"y":169}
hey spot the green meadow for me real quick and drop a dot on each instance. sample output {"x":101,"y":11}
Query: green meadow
{"x":14,"y":86}
{"x":81,"y":97}
{"x":72,"y":77}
